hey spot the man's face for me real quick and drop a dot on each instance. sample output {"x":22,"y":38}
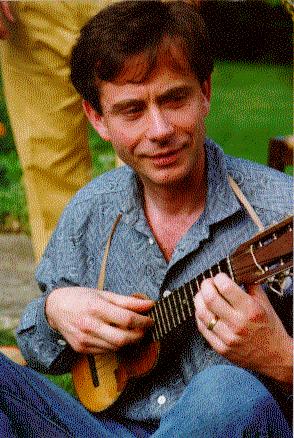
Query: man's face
{"x":157,"y":126}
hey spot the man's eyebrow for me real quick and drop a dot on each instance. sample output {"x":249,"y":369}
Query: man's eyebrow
{"x":125,"y":104}
{"x":181,"y":90}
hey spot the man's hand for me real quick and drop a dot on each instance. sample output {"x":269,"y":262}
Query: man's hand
{"x":95,"y":321}
{"x":5,"y":12}
{"x":248,"y":331}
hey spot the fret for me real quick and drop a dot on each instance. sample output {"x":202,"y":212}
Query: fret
{"x":191,"y":288}
{"x":157,"y":321}
{"x":155,"y":326}
{"x":161,"y":315}
{"x":181,"y":304}
{"x":176,"y":309}
{"x":188,"y":298}
{"x":171,"y":310}
{"x":187,"y":301}
{"x":166,"y":314}
{"x":230,"y":268}
{"x":211,"y":273}
{"x":198,"y":284}
{"x":219,"y":268}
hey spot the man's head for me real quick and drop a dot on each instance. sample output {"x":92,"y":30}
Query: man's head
{"x":133,"y":36}
{"x":143,"y":69}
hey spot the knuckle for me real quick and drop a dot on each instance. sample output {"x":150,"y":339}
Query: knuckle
{"x":79,"y":345}
{"x":119,"y":342}
{"x":240,"y":330}
{"x":84,"y":325}
{"x":257,"y":314}
{"x":129,"y":320}
{"x":232,"y":341}
{"x":208,"y":297}
{"x":200,"y":312}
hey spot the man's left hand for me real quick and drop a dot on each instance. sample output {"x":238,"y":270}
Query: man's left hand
{"x":244,"y":327}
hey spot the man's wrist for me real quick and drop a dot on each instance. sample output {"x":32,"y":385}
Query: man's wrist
{"x":48,"y":311}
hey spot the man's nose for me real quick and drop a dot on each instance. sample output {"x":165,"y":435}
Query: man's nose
{"x":160,"y":128}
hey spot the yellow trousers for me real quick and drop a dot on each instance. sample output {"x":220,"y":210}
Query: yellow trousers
{"x":47,"y":120}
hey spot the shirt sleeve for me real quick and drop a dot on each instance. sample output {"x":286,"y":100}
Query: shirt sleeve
{"x":44,"y":348}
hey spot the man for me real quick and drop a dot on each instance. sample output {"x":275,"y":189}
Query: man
{"x":143,"y":69}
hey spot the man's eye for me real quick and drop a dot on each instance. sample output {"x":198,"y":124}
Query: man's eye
{"x":177,"y":100}
{"x":132,"y":112}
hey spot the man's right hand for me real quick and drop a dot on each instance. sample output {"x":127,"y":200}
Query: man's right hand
{"x":94,"y":321}
{"x":5,"y":12}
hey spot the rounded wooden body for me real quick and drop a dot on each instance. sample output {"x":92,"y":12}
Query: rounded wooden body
{"x":112,"y":373}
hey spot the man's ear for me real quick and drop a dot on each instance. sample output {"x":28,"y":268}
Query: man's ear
{"x":206,"y":91}
{"x":96,"y":120}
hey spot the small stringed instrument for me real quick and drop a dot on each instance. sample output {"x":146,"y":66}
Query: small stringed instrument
{"x":100,"y":379}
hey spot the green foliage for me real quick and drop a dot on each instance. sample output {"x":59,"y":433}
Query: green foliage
{"x":251,"y":103}
{"x":7,"y":337}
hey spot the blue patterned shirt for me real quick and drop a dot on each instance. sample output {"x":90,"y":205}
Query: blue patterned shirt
{"x":136,"y":263}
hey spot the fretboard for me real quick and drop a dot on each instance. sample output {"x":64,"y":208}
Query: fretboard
{"x":173,"y":310}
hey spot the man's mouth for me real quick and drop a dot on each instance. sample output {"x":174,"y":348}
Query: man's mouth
{"x":166,"y":158}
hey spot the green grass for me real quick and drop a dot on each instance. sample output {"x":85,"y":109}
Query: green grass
{"x":251,"y":103}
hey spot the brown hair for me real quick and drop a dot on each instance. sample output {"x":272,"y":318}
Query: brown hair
{"x":124,"y":30}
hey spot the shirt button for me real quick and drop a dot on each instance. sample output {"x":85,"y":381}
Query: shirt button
{"x":161,"y":400}
{"x":151,"y":241}
{"x":166,"y":293}
{"x":61,"y":342}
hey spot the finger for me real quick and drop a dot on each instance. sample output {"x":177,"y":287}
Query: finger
{"x":90,"y":346}
{"x":120,"y":316}
{"x":215,"y":302}
{"x":230,"y":291}
{"x":5,"y":8}
{"x":116,"y":336}
{"x":129,"y":302}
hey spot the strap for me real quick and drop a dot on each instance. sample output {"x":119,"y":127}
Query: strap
{"x":101,"y":279}
{"x":244,"y":201}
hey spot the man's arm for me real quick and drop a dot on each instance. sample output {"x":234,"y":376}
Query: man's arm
{"x":248,"y":331}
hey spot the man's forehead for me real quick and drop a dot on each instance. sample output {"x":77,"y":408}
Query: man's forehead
{"x":139,"y":68}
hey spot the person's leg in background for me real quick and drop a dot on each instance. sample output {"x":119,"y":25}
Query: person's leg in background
{"x":46,"y":115}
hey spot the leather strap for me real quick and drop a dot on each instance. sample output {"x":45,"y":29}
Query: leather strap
{"x":244,"y":201}
{"x":101,"y":279}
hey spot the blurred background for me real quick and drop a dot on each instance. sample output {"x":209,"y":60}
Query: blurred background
{"x":252,"y":95}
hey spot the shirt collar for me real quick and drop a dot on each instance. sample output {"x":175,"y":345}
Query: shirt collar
{"x":221,"y":201}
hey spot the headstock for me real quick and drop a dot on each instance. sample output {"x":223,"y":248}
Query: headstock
{"x":267,"y":254}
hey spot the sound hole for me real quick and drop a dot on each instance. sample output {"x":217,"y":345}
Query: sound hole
{"x":93,"y":370}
